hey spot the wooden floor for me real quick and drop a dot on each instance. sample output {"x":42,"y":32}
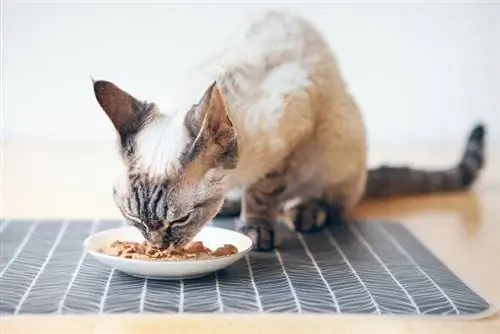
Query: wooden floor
{"x":462,"y":229}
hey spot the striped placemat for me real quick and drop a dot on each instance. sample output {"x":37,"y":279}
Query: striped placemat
{"x":357,"y":268}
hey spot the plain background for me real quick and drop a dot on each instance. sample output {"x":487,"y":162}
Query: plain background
{"x":420,"y":72}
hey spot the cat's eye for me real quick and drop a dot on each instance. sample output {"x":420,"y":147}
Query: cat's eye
{"x":182,"y":219}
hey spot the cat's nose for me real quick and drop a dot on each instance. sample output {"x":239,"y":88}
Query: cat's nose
{"x":155,"y":239}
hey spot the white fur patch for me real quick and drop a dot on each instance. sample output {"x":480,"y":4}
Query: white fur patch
{"x":121,"y":181}
{"x":268,"y":51}
{"x":160,"y":145}
{"x":268,"y":111}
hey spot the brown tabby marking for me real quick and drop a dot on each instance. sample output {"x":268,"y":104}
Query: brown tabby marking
{"x":261,"y":208}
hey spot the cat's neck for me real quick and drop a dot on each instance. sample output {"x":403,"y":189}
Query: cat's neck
{"x":256,"y":143}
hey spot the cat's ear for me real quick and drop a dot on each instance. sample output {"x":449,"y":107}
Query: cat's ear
{"x":214,"y":139}
{"x":125,"y":112}
{"x":210,"y":114}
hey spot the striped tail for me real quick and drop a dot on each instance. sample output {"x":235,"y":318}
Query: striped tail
{"x":387,"y":181}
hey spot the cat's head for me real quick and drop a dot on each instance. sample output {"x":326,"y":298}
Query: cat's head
{"x":176,"y":167}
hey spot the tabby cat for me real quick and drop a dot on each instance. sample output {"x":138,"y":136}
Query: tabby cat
{"x":270,"y":117}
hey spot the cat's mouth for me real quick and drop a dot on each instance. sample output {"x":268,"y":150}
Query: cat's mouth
{"x":161,"y":239}
{"x":156,"y":239}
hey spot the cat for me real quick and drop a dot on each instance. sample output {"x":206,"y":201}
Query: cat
{"x":272,"y":118}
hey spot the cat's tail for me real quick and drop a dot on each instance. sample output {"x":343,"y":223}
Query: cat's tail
{"x":388,"y":181}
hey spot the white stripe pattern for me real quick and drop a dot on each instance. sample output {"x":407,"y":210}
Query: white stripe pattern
{"x":217,"y":289}
{"x":331,"y":239}
{"x":292,"y":290}
{"x":5,"y":224}
{"x":143,"y":295}
{"x":254,"y":285}
{"x":106,"y":289}
{"x":75,"y":272}
{"x":63,"y":228}
{"x":181,"y":297}
{"x":85,"y":295}
{"x":161,"y":297}
{"x":379,"y":260}
{"x":375,"y":268}
{"x":234,"y":286}
{"x":200,"y":295}
{"x":20,"y":248}
{"x":311,"y":257}
{"x":410,"y":258}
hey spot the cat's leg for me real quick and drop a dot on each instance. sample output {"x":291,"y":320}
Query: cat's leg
{"x":333,"y":207}
{"x":261,"y":209}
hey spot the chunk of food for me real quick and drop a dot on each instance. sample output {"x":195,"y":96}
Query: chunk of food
{"x":143,"y":251}
{"x":225,"y":250}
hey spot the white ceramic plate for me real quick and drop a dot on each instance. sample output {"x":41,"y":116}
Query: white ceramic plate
{"x":212,"y":237}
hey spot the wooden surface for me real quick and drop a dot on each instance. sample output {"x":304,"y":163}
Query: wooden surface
{"x":462,"y":229}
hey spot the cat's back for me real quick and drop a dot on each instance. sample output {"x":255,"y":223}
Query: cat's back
{"x":272,"y":37}
{"x":279,"y":76}
{"x":275,"y":54}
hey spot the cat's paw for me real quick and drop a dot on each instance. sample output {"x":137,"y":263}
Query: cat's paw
{"x":312,"y":216}
{"x":261,"y":232}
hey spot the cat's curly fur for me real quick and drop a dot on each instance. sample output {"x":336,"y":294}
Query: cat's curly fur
{"x":273,"y":117}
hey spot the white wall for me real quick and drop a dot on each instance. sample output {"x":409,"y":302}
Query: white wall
{"x":420,"y":72}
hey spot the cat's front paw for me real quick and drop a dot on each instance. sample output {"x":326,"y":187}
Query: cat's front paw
{"x":261,"y":232}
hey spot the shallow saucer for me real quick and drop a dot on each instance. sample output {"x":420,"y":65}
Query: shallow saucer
{"x":212,"y":237}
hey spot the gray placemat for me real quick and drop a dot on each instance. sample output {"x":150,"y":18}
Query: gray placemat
{"x":356,"y":268}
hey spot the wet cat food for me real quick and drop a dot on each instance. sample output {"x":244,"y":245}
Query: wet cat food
{"x":142,"y":251}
